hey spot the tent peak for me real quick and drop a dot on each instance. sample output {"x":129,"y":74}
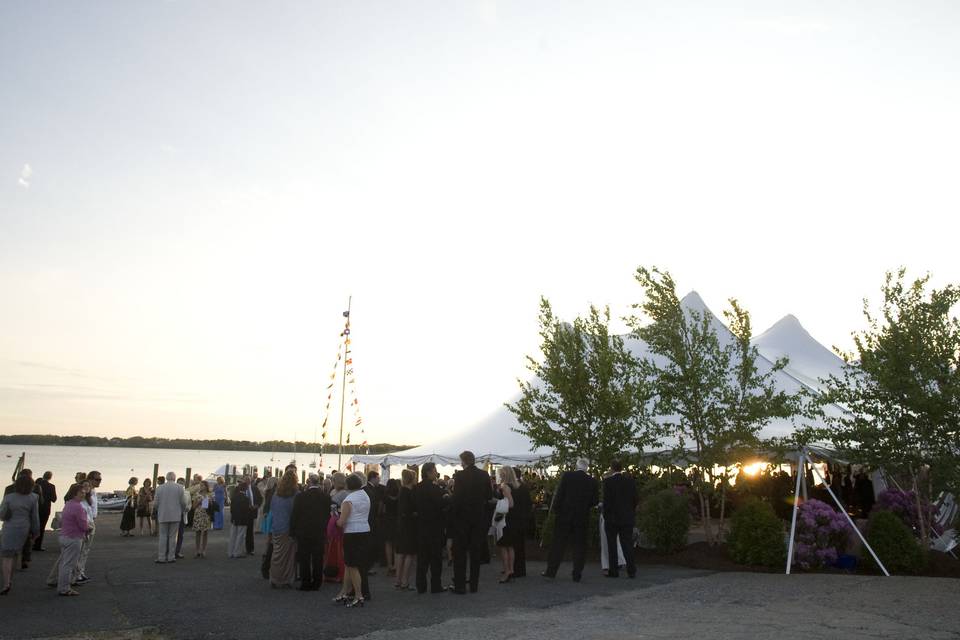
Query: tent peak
{"x":693,"y":301}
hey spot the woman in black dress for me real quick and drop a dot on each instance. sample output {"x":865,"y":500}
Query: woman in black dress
{"x":406,"y":530}
{"x":128,"y":521}
{"x":391,"y":514}
{"x":512,"y":532}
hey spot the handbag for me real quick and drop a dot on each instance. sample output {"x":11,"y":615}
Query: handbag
{"x":55,"y":524}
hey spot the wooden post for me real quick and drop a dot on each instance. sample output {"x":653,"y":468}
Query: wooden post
{"x":303,"y":477}
{"x":187,"y":478}
{"x":156,"y":474}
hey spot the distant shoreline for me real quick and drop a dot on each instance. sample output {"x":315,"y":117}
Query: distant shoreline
{"x":139,"y":442}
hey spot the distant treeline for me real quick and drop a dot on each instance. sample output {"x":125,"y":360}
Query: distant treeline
{"x":202,"y":445}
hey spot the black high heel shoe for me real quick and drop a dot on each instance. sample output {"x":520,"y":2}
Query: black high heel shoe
{"x":358,"y":602}
{"x":341,"y":599}
{"x":6,"y":590}
{"x":507,"y":578}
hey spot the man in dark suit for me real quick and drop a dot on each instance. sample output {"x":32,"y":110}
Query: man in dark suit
{"x":256,"y":499}
{"x":471,"y":493}
{"x":308,"y":525}
{"x":520,"y":517}
{"x":576,"y":495}
{"x":377,"y":494}
{"x":47,"y":493}
{"x":619,"y":516}
{"x":429,"y":505}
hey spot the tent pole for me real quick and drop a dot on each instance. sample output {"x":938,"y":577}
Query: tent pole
{"x":849,"y":519}
{"x":796,"y":507}
{"x":805,"y":497}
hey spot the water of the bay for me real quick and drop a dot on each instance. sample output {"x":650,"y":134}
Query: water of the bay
{"x":118,"y":464}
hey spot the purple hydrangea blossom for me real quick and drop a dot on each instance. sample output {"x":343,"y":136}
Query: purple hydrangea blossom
{"x":822,"y":535}
{"x":903,"y":504}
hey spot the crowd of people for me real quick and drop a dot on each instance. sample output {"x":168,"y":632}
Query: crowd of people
{"x":335,"y":528}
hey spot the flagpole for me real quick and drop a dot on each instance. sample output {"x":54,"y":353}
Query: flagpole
{"x":343,"y":392}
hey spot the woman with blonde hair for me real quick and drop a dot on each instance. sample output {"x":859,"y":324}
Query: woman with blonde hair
{"x":204,"y":508}
{"x":283,"y":560}
{"x":406,"y":530}
{"x":509,"y":535}
{"x":269,"y":489}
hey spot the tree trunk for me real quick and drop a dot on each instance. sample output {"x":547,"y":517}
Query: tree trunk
{"x":723,"y":506}
{"x":921,"y":516}
{"x":705,"y":515}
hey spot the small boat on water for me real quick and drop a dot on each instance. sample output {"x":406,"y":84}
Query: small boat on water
{"x":111,"y":501}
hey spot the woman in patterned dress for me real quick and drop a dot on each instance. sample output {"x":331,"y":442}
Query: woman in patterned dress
{"x":145,"y":505}
{"x":204,"y":506}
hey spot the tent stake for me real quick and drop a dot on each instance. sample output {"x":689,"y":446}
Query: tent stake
{"x":849,"y":519}
{"x":796,"y":507}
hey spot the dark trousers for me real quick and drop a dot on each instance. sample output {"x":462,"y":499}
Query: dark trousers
{"x":310,"y":557}
{"x":429,"y":547}
{"x":520,"y":553}
{"x":44,"y":517}
{"x":25,"y":552}
{"x":364,"y":580}
{"x":265,"y":563}
{"x":471,"y":541}
{"x":180,"y":532}
{"x":572,"y":531}
{"x":625,"y":533}
{"x":250,"y":537}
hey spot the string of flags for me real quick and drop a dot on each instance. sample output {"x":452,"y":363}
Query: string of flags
{"x":345,"y":357}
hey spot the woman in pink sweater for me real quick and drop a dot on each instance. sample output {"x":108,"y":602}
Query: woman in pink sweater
{"x":73,"y":528}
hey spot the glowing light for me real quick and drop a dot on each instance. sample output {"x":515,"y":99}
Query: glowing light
{"x":753,"y":468}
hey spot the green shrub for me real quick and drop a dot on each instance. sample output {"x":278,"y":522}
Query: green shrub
{"x":756,"y":536}
{"x":665,"y":521}
{"x":894,"y":544}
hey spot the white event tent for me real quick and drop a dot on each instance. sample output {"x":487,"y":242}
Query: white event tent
{"x":494,"y":439}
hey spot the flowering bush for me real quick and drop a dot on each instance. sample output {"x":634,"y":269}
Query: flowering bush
{"x":903,"y":504}
{"x":822,"y":534}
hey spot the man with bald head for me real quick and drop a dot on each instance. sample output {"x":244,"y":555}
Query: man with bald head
{"x":171,"y":501}
{"x":576,"y":494}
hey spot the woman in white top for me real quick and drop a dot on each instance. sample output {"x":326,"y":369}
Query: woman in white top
{"x":354,"y":520}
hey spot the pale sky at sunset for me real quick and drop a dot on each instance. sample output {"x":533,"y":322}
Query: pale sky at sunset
{"x":189,"y":191}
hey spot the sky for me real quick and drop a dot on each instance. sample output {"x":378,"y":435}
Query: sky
{"x":190,"y":192}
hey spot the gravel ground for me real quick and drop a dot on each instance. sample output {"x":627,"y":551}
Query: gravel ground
{"x":730,"y":605}
{"x":131,"y":598}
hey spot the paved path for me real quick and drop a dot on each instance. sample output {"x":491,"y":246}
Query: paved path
{"x":132,"y":598}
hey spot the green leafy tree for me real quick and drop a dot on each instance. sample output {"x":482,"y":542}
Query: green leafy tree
{"x":710,"y":394}
{"x":902,"y":388}
{"x":587,"y":398}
